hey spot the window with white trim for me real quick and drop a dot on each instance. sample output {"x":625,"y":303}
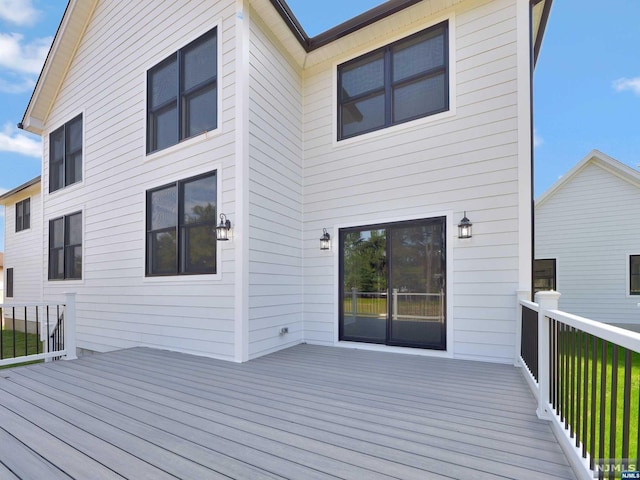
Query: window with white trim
{"x":403,"y":81}
{"x":182,"y":94}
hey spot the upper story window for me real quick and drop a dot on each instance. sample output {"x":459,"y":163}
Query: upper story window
{"x":405,"y":80}
{"x":181,"y":227}
{"x":182,"y":98}
{"x":23,"y":215}
{"x":65,"y":155}
{"x":65,"y":247}
{"x":634,"y":274}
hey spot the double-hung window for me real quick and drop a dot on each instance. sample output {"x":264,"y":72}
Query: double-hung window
{"x":403,"y":81}
{"x":182,"y":98}
{"x":181,"y":227}
{"x":65,"y":155}
{"x":634,"y":274}
{"x":65,"y":247}
{"x":23,"y":215}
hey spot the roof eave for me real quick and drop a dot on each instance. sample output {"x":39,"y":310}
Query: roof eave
{"x":18,"y":189}
{"x":356,"y":23}
{"x":56,"y":64}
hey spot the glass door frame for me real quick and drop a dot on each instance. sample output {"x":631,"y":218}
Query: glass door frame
{"x":388,"y":226}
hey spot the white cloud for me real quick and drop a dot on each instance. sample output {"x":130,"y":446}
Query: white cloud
{"x":17,"y":56}
{"x":14,"y":141}
{"x":537,"y":139}
{"x":18,"y":12}
{"x":623,"y":84}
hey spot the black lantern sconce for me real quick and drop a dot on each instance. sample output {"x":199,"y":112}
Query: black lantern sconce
{"x":464,"y":227}
{"x":222,"y":230}
{"x":325,"y":240}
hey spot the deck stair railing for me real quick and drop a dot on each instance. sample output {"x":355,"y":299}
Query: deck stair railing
{"x":586,"y":377}
{"x":52,"y":329}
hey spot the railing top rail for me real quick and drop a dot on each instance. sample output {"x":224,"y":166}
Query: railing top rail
{"x":32,"y":304}
{"x":531,"y":305}
{"x":620,"y":336}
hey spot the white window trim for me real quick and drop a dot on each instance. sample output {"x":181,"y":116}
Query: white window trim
{"x":67,"y":281}
{"x":47,"y":156}
{"x":196,"y":278}
{"x":451,"y":236}
{"x":162,"y":55}
{"x":628,"y":276}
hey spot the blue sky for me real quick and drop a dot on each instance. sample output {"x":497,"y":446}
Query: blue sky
{"x":586,"y":96}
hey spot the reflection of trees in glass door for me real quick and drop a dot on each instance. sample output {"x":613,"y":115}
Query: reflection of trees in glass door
{"x":393,"y":284}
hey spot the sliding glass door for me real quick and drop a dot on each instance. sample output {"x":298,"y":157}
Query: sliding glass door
{"x":392,"y":280}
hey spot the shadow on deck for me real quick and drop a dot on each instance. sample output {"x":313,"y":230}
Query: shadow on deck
{"x":307,"y":412}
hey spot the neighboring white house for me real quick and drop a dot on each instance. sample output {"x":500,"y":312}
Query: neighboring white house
{"x":381,"y":132}
{"x":587,"y":240}
{"x":23,"y":244}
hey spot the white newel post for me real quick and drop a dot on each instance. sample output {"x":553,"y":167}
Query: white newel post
{"x":70,"y":326}
{"x":522,"y":295}
{"x":546,"y":301}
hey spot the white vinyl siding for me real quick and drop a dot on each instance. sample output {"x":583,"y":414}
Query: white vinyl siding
{"x":467,"y":161}
{"x":588,"y":225}
{"x":117,"y":306}
{"x":275,"y":197}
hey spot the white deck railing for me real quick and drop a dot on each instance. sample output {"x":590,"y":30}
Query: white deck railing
{"x":582,"y":373}
{"x":53,"y":323}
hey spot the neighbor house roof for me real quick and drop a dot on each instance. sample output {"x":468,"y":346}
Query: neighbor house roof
{"x":78,"y":13}
{"x":594,"y":157}
{"x":6,"y":196}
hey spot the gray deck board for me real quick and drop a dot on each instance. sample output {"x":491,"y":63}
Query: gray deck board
{"x":307,"y":412}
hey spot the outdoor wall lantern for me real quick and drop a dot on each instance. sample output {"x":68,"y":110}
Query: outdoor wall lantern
{"x":222,"y":230}
{"x":325,"y":240}
{"x":464,"y":227}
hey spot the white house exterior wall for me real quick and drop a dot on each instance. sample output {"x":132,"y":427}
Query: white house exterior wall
{"x":117,"y":305}
{"x":23,"y":250}
{"x":587,"y":225}
{"x":463,"y":160}
{"x":275,"y":196}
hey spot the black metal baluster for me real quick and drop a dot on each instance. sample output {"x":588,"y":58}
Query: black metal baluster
{"x":626,"y":408}
{"x":37,"y":331}
{"x":13,"y":324}
{"x":592,"y":430}
{"x":585,"y":408}
{"x":578,"y":405}
{"x":603,"y":399}
{"x":614,"y":405}
{"x":571,"y":414}
{"x":26,"y":337}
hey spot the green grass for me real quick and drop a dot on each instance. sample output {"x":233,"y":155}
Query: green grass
{"x":21,"y":339}
{"x":610,"y":367}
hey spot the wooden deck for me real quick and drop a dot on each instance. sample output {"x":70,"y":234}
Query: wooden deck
{"x":307,"y":412}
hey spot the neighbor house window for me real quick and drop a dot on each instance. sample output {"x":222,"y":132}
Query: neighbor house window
{"x":181,"y":227}
{"x":65,"y":155}
{"x":23,"y":215}
{"x":544,"y":275}
{"x":634,"y":274}
{"x":9,"y":289}
{"x":182,"y":94}
{"x":405,"y":80}
{"x":65,"y":247}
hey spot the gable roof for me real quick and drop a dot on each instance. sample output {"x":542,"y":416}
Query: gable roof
{"x":594,"y":157}
{"x":78,"y":13}
{"x":7,"y":195}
